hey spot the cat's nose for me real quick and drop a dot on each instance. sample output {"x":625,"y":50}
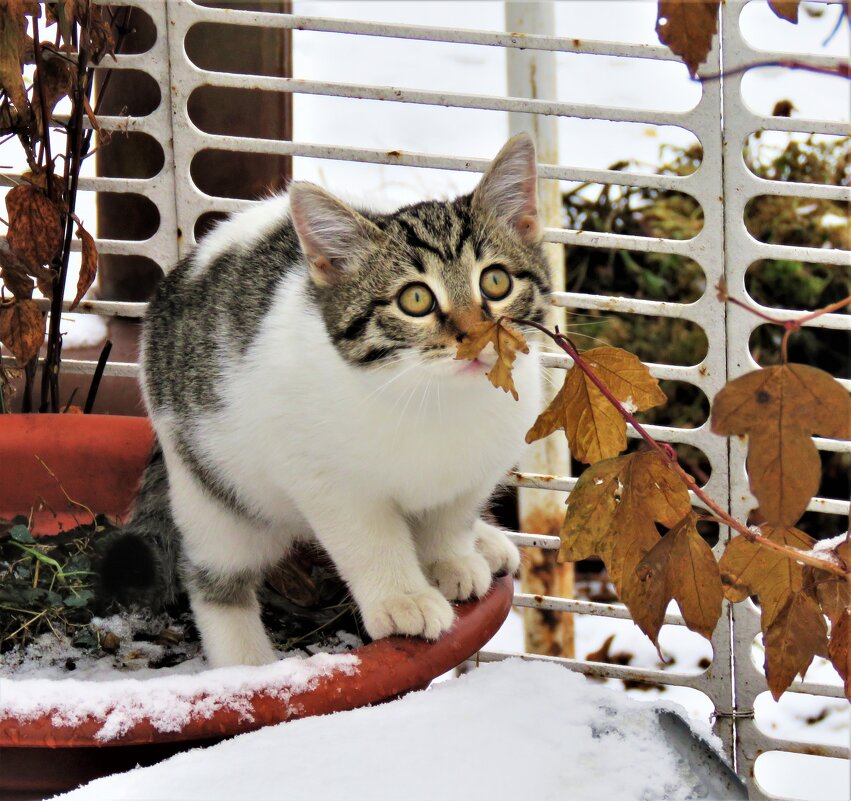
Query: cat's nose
{"x":463,"y":320}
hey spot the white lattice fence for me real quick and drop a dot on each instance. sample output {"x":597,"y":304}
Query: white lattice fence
{"x":723,"y":248}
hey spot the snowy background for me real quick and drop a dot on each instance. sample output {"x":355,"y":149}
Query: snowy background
{"x":592,"y":144}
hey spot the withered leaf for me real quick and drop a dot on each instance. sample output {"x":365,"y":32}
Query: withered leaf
{"x":594,"y":428}
{"x":687,"y":27}
{"x":839,"y":648}
{"x":14,"y":272}
{"x":611,"y":513}
{"x":35,"y":229}
{"x":507,"y":342}
{"x":39,"y":179}
{"x":54,"y":78}
{"x":780,"y":408}
{"x":748,"y":568}
{"x":101,"y":36}
{"x":833,"y":592}
{"x":22,"y":329}
{"x":683,"y":564}
{"x":89,"y":266}
{"x":796,"y":634}
{"x":63,"y":13}
{"x":785,"y":9}
{"x":13,"y":29}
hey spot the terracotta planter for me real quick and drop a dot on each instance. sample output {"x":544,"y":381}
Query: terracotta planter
{"x":97,"y":461}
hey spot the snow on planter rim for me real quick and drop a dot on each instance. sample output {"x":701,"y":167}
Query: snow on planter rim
{"x":168,"y":703}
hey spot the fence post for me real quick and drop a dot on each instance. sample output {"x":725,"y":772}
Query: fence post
{"x":532,"y":74}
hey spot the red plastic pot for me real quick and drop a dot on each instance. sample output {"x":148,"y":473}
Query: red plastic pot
{"x":96,"y":461}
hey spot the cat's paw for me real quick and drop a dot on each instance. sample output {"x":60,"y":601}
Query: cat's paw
{"x":461,"y":577}
{"x":425,"y":613}
{"x":501,"y":554}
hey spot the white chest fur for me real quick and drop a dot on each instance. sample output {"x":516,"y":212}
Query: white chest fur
{"x":302,"y":417}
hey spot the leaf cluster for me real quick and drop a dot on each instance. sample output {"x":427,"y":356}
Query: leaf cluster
{"x":779,"y":409}
{"x":620,"y":502}
{"x":39,"y":209}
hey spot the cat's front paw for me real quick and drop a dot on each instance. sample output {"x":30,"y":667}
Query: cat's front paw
{"x":461,"y":576}
{"x":501,"y":554}
{"x":425,"y":613}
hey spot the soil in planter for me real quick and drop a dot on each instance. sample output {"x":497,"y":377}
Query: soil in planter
{"x":55,"y":623}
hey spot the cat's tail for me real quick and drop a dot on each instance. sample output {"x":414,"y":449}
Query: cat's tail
{"x":141,"y":564}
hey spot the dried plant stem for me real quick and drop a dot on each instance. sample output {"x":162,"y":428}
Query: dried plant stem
{"x":50,"y":370}
{"x":669,"y":456}
{"x":67,"y":496}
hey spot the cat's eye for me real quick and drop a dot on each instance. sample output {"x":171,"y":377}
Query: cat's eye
{"x":495,"y":283}
{"x":416,"y":300}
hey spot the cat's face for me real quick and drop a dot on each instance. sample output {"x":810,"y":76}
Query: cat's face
{"x":404,"y":288}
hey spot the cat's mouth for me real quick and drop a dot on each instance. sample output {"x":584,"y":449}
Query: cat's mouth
{"x":474,"y":366}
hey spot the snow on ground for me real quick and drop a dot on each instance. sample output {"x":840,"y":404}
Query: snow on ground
{"x":804,"y":718}
{"x":473,"y":738}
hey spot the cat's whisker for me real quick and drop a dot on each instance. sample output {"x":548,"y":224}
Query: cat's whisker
{"x":374,"y":394}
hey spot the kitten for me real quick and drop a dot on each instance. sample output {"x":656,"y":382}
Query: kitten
{"x":299,"y":372}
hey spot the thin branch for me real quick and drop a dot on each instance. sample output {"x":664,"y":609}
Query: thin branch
{"x":839,"y":71}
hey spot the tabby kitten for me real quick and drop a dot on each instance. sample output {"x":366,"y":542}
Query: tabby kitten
{"x":299,"y":369}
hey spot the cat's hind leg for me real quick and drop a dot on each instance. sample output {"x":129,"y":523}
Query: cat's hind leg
{"x":225,"y":555}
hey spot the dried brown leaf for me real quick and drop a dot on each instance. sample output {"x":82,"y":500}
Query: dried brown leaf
{"x":594,"y":428}
{"x":55,"y":79}
{"x":687,"y":27}
{"x":22,"y":329}
{"x":13,"y":30}
{"x":101,"y":35}
{"x":748,"y":568}
{"x":14,"y":272}
{"x":683,"y":564}
{"x":794,"y":636}
{"x":780,"y":408}
{"x":612,"y":513}
{"x":507,"y":342}
{"x":839,"y":648}
{"x":785,"y":9}
{"x":89,"y":266}
{"x":39,"y":179}
{"x":833,"y":592}
{"x":35,"y":230}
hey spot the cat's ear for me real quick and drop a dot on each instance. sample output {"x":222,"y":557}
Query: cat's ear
{"x":509,"y":188}
{"x":331,"y":233}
